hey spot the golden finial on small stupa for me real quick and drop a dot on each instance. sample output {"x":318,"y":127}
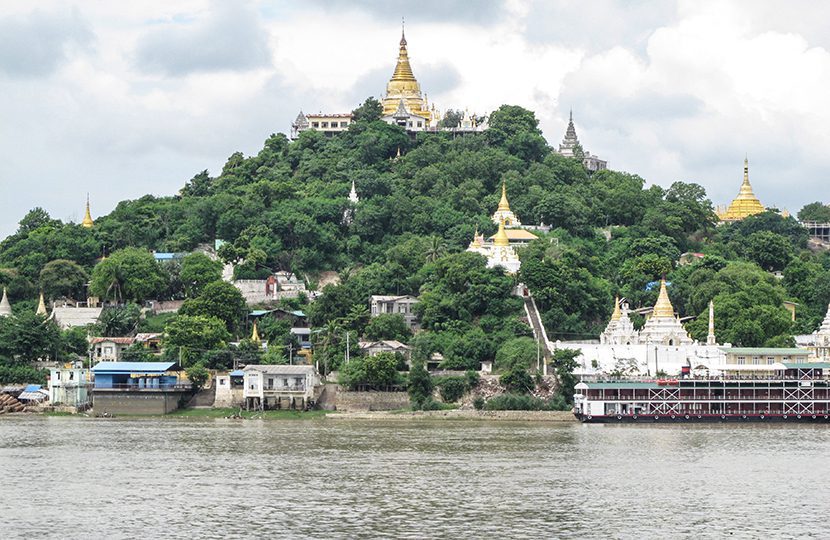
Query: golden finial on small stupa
{"x":41,"y":306}
{"x":503,"y":204}
{"x":615,"y":316}
{"x":663,"y":307}
{"x":501,"y":239}
{"x":255,"y":334}
{"x":87,"y":222}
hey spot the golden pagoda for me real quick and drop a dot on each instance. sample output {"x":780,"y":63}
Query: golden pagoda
{"x":87,"y":222}
{"x":663,"y":308}
{"x":41,"y":306}
{"x":615,"y":316}
{"x":255,"y":334}
{"x":503,"y":212}
{"x":500,"y":239}
{"x":404,"y":88}
{"x":745,"y":204}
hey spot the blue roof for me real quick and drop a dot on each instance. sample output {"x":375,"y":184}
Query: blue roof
{"x":161,"y":256}
{"x":133,"y":367}
{"x":237,"y":373}
{"x":32,"y":388}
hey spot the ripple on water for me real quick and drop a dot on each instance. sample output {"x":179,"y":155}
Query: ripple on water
{"x":178,"y":478}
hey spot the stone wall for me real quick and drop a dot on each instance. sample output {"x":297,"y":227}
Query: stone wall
{"x":371,"y":401}
{"x":135,"y":402}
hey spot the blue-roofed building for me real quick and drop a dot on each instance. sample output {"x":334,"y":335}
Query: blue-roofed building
{"x":138,"y":387}
{"x":166,"y":257}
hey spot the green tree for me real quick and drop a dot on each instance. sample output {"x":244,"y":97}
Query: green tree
{"x":388,"y":326}
{"x":518,"y":353}
{"x":373,"y":371}
{"x":369,"y":111}
{"x":129,"y":274}
{"x":189,"y":337}
{"x":198,"y":375}
{"x":564,"y":363}
{"x":420,"y":386}
{"x":197,"y":271}
{"x":117,"y":321}
{"x":63,"y":278}
{"x":27,"y":337}
{"x":218,"y":299}
{"x":815,"y":211}
{"x":769,"y":250}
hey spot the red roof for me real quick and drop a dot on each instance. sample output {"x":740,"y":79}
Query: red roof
{"x":118,"y":340}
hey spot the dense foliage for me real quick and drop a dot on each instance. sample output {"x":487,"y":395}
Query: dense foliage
{"x":286,"y":208}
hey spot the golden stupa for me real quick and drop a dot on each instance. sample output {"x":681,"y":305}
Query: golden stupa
{"x":615,"y":316}
{"x":745,"y":204}
{"x":663,"y":308}
{"x":500,"y":239}
{"x":87,"y":222}
{"x":404,"y":86}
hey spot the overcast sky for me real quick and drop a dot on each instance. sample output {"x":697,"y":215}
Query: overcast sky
{"x":120,"y":99}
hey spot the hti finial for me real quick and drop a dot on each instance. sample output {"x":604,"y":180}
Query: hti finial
{"x":571,"y":115}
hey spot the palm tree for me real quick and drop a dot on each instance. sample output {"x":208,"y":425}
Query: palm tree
{"x":435,"y":249}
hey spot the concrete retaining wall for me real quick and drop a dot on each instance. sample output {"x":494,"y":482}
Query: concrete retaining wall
{"x":371,"y":401}
{"x":135,"y":402}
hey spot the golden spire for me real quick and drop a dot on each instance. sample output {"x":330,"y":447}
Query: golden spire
{"x":615,"y":316}
{"x":255,"y":334}
{"x":41,"y":306}
{"x":87,"y":222}
{"x":403,"y":71}
{"x":500,"y":239}
{"x":745,"y":204}
{"x":663,"y":308}
{"x":476,"y":243}
{"x":503,"y":204}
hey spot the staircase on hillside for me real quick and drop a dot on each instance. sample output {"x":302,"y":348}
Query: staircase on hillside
{"x":535,"y":320}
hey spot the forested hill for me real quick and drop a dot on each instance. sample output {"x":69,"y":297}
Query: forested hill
{"x":284,"y":209}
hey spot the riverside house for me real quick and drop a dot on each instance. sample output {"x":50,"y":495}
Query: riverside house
{"x":279,"y":387}
{"x":138,"y":387}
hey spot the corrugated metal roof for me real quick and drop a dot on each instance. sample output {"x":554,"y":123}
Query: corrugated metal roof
{"x":237,"y":373}
{"x":134,"y":367}
{"x":807,"y":365}
{"x":280,"y":369}
{"x":764,"y":351}
{"x":32,"y":388}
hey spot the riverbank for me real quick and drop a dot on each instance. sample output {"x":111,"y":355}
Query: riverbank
{"x":459,"y":414}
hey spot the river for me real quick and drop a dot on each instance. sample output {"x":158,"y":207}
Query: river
{"x":71,"y":477}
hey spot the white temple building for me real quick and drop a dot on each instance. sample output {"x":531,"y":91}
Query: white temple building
{"x":661,"y":346}
{"x":818,"y":343}
{"x":497,"y":250}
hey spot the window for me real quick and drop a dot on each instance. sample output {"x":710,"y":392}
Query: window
{"x":324,"y":124}
{"x":71,"y":375}
{"x":315,"y":124}
{"x":770,"y":359}
{"x":344,"y":124}
{"x":756,"y":360}
{"x":741,"y":360}
{"x":420,"y":124}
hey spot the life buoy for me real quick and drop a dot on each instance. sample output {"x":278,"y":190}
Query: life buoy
{"x":723,"y":417}
{"x":762,"y":417}
{"x":635,"y":417}
{"x":699,"y":417}
{"x":619,"y":417}
{"x":656,"y":417}
{"x":589,"y":417}
{"x":673,"y":417}
{"x":799,"y":417}
{"x":744,"y":417}
{"x":687,"y":417}
{"x":785,"y":417}
{"x":814,"y":417}
{"x":825,"y":417}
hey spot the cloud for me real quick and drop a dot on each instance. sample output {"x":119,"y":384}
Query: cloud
{"x":229,"y":37}
{"x":37,"y":44}
{"x":446,"y":11}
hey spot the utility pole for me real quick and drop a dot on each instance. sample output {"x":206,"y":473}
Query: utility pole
{"x":290,"y":354}
{"x":347,"y":346}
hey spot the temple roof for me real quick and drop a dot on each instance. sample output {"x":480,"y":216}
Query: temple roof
{"x":745,"y":204}
{"x":87,"y":222}
{"x":500,"y":239}
{"x":663,"y":307}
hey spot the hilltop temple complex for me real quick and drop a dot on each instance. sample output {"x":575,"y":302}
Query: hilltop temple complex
{"x":500,"y":249}
{"x":745,"y":204}
{"x":571,"y":148}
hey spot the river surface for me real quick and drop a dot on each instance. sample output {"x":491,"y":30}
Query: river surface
{"x":70,"y":477}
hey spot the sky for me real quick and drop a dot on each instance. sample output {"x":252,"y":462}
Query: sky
{"x":122,"y":99}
